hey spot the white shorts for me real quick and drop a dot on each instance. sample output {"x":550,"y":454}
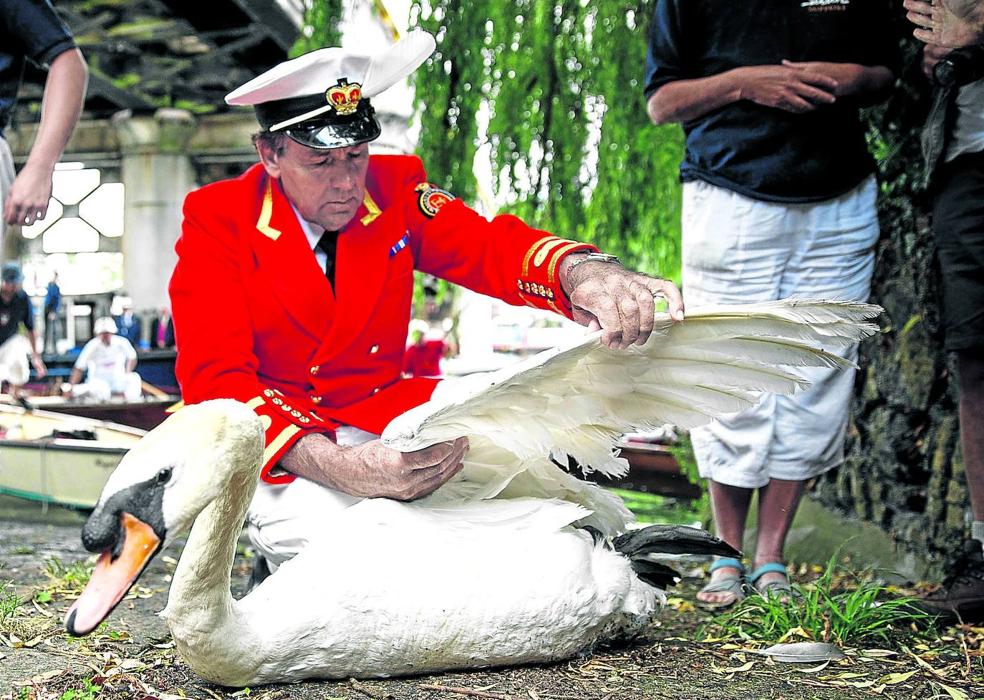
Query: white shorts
{"x":102,"y":388}
{"x":740,"y":250}
{"x":13,"y":360}
{"x":281,"y":517}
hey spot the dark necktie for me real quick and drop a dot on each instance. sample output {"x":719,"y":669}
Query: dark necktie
{"x":327,"y":244}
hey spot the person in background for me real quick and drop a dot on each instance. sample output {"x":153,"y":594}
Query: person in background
{"x":953,"y":146}
{"x":15,"y":311}
{"x":128,"y":324}
{"x":162,"y":330}
{"x":778,"y":201}
{"x":52,"y":319}
{"x":108,"y":361}
{"x":423,"y":355}
{"x":30,"y":29}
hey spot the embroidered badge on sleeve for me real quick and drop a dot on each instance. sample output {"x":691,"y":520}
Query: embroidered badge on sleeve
{"x":432,"y":198}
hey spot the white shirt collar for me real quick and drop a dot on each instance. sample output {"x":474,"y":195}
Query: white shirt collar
{"x":312,"y":231}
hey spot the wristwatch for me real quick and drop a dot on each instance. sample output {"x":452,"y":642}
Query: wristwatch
{"x":593,"y":257}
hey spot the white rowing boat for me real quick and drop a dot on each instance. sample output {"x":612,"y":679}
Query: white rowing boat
{"x":56,"y":458}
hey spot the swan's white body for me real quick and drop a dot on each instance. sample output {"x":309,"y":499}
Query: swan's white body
{"x":453,"y":581}
{"x":414,"y":590}
{"x":388,"y":588}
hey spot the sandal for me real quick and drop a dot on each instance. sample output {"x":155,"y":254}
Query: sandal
{"x":733,"y":584}
{"x":782,"y":590}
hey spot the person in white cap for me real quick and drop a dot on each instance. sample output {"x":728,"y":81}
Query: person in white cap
{"x":108,"y":361}
{"x":313,"y":251}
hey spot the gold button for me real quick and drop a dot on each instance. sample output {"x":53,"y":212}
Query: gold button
{"x":316,"y":399}
{"x":314,"y":370}
{"x":305,"y":419}
{"x":374,"y":349}
{"x":376,"y":390}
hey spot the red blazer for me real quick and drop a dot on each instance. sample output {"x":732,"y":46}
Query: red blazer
{"x":256,"y":320}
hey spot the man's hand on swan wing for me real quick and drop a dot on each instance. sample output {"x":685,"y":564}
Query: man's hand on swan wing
{"x":373,"y":470}
{"x":384,"y":472}
{"x":621,"y":302}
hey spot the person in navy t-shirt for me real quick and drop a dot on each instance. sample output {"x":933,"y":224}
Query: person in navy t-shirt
{"x":778,"y":201}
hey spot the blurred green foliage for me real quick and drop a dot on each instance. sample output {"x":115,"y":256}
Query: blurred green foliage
{"x":552,"y":91}
{"x":321,"y":18}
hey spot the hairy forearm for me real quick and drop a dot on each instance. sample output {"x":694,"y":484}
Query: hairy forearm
{"x":317,"y":458}
{"x":684,"y":100}
{"x":64,"y":93}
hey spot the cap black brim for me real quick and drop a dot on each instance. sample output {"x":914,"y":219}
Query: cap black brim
{"x":336,"y":133}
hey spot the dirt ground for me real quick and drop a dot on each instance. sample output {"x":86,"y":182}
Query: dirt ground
{"x":131,"y":657}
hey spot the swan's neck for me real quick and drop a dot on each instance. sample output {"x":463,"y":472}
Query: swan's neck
{"x":199,"y":600}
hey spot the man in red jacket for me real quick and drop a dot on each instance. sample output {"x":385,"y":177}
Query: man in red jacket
{"x":313,"y":252}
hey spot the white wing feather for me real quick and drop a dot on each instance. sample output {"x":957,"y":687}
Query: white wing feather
{"x":578,"y":399}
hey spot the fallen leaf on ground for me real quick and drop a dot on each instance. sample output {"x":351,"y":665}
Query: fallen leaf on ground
{"x":954,"y":693}
{"x":734,"y":669}
{"x":896,"y":678}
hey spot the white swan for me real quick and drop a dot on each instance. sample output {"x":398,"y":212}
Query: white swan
{"x":450,"y":582}
{"x":392,"y":588}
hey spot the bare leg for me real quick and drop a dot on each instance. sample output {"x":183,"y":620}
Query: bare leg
{"x":778,"y":501}
{"x":729,"y":505}
{"x":971,"y":377}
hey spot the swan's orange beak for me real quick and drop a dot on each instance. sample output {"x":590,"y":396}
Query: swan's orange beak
{"x":113,"y":577}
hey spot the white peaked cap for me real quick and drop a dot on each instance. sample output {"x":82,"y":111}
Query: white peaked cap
{"x":313,"y":73}
{"x":104,"y":325}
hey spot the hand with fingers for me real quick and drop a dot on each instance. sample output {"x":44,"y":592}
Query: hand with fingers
{"x":39,"y":367}
{"x":29,"y":196}
{"x":372,"y":470}
{"x":382,"y":472}
{"x":947,"y":23}
{"x":792,"y":88}
{"x":620,"y":302}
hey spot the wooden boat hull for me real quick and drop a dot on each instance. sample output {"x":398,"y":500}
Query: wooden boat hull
{"x":60,"y":470}
{"x":146,"y":414}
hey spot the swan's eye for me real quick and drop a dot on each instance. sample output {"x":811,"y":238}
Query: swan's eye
{"x":164,"y":475}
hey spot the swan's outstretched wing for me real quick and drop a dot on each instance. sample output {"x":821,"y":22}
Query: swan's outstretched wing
{"x":578,"y":399}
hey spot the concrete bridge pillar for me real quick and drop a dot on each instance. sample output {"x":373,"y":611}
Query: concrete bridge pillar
{"x":157,"y":173}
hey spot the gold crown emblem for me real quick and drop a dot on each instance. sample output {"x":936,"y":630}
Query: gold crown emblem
{"x":344,"y":97}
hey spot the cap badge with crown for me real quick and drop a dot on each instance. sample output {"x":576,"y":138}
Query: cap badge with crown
{"x":344,"y":97}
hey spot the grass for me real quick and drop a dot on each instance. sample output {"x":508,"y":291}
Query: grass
{"x":830,"y":609}
{"x":8,"y":601}
{"x":88,"y":691}
{"x":651,"y":508}
{"x":73,"y":577}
